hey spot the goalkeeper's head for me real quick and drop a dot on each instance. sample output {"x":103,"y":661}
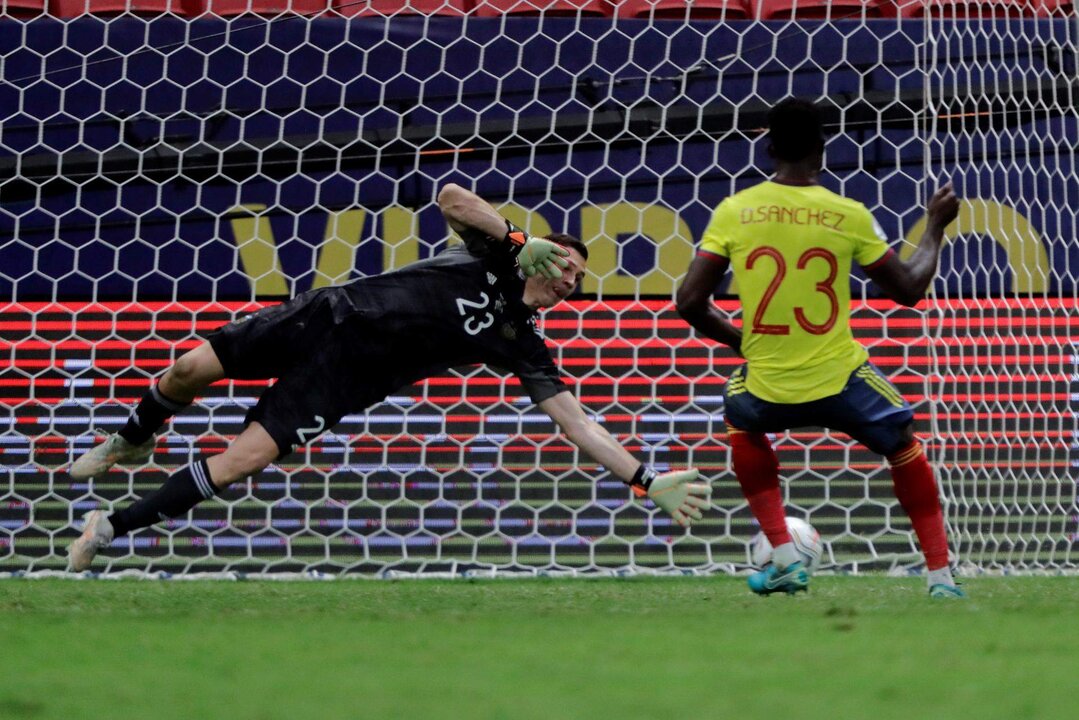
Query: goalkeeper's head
{"x":568,"y":241}
{"x":543,"y":292}
{"x":796,"y":132}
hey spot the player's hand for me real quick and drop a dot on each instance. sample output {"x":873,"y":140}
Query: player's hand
{"x":542,"y":256}
{"x":678,"y":494}
{"x":943,"y":206}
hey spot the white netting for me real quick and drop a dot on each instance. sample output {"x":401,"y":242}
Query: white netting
{"x":161,"y":174}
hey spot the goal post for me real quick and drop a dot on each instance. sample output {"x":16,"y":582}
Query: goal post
{"x":161,"y":175}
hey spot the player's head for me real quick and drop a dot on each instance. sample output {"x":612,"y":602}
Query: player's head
{"x":795,"y":131}
{"x":541,"y":292}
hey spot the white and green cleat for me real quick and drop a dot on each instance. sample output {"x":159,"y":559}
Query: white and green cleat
{"x":115,"y":450}
{"x":791,"y":579}
{"x":97,"y":534}
{"x":943,"y":591}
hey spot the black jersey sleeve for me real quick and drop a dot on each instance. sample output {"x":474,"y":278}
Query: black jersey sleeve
{"x":481,"y":244}
{"x":537,"y":372}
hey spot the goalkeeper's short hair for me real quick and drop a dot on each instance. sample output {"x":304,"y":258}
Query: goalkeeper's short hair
{"x":570,"y":242}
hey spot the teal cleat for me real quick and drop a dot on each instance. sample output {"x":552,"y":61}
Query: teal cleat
{"x":940,"y":590}
{"x":791,"y":579}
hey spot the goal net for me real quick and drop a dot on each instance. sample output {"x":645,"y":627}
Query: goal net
{"x":162,"y":173}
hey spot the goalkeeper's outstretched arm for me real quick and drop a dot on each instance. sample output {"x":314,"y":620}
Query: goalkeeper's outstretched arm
{"x":676,"y":492}
{"x":465,"y":210}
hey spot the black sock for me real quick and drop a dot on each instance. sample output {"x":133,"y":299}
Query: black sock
{"x":149,"y":415}
{"x":184,"y":489}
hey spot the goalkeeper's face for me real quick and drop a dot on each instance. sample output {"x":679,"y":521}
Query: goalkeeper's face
{"x":542,"y":292}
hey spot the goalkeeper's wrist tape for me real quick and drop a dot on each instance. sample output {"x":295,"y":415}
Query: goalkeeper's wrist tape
{"x":642,"y":480}
{"x":515,"y":238}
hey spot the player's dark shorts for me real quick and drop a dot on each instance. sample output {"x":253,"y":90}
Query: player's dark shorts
{"x":869,"y":409}
{"x":320,"y":377}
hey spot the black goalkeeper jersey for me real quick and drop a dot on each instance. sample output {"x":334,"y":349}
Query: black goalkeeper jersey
{"x":461,"y":307}
{"x":342,"y":349}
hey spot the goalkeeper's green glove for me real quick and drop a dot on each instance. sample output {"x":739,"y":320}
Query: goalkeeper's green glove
{"x":536,"y":254}
{"x":675,"y":492}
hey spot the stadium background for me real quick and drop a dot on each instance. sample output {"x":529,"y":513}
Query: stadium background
{"x":159,"y":176}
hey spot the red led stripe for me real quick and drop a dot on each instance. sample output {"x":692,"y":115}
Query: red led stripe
{"x":988,"y":439}
{"x":113,"y":366}
{"x":25,"y":424}
{"x":589,"y":305}
{"x":599,"y":400}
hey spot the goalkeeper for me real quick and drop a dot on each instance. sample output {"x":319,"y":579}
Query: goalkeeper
{"x":790,"y":243}
{"x":342,"y":349}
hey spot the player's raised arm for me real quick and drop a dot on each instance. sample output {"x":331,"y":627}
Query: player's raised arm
{"x":464,"y":210}
{"x":907,"y":282}
{"x":694,"y":301}
{"x":676,"y":492}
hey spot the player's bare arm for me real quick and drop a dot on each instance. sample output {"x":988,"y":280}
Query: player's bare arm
{"x":676,"y":492}
{"x":906,"y":282}
{"x":464,"y":209}
{"x":694,"y":301}
{"x":590,"y":436}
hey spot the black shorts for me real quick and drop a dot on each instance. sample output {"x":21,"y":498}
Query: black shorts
{"x":321,"y":374}
{"x":268,"y":342}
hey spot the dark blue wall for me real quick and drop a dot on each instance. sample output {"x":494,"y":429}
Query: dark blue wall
{"x":168,"y":87}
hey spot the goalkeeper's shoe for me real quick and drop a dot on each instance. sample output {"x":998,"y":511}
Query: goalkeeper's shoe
{"x":114,"y":450}
{"x":941,"y":590}
{"x":791,"y":579}
{"x":96,"y":534}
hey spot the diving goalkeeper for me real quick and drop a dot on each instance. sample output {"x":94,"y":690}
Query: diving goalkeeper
{"x":342,"y":349}
{"x":790,"y":243}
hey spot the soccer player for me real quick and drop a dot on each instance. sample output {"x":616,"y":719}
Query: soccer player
{"x":342,"y":349}
{"x":790,"y":244}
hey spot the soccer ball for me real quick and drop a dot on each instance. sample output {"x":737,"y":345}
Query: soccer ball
{"x":805,"y":538}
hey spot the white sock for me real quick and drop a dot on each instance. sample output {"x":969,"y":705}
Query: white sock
{"x":941,"y":576}
{"x":785,"y":555}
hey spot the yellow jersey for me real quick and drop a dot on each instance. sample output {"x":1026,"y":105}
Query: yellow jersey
{"x":790,"y":248}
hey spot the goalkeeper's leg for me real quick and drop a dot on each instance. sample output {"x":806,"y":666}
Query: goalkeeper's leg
{"x":252,"y":451}
{"x":134,"y":443}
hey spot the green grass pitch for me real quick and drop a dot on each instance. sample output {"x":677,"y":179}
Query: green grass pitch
{"x":868,"y":648}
